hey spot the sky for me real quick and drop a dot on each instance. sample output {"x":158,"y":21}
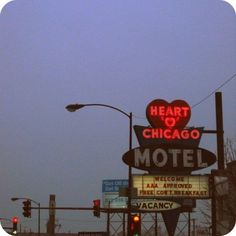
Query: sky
{"x":122,"y":53}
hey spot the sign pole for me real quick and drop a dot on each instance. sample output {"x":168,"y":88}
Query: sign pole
{"x":123,"y":224}
{"x":108,"y":219}
{"x":156,"y":224}
{"x":213,"y":205}
{"x":189,"y":224}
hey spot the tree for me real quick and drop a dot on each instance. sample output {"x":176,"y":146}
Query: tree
{"x":225,"y":193}
{"x":230,"y":151}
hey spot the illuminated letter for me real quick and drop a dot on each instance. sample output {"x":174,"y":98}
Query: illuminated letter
{"x":146,"y":133}
{"x":142,"y":158}
{"x":177,"y":111}
{"x":161,"y":110}
{"x":187,"y":156}
{"x":185,"y":134}
{"x":155,"y":133}
{"x":195,"y":134}
{"x":175,"y":134}
{"x":163,"y":155}
{"x":199,"y":159}
{"x":153,"y":111}
{"x":169,"y":111}
{"x":167,"y":136}
{"x":185,"y":111}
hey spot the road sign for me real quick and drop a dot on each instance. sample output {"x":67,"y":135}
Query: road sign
{"x":110,"y":190}
{"x":113,"y":185}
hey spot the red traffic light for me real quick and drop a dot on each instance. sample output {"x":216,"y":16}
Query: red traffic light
{"x":96,"y":203}
{"x":14,"y":225}
{"x":14,"y":219}
{"x":96,"y":207}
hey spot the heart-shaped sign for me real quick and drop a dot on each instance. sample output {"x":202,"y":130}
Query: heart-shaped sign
{"x":162,"y":114}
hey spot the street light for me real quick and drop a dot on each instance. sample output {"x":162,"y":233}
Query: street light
{"x":75,"y":107}
{"x":31,"y":200}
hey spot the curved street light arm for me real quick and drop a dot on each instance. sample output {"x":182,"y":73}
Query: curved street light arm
{"x":75,"y":107}
{"x":25,"y":198}
{"x":31,"y":200}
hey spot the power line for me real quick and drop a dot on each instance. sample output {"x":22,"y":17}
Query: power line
{"x":203,"y":99}
{"x":222,"y":85}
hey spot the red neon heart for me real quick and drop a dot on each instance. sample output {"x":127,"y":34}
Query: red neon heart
{"x":170,"y":121}
{"x":170,"y":115}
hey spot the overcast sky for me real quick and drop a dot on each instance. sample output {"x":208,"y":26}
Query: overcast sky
{"x":123,"y":53}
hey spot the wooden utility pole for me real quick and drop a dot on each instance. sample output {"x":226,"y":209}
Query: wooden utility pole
{"x":220,"y":157}
{"x":51,"y":221}
{"x":219,"y":130}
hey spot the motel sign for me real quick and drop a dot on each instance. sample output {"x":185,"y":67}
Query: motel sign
{"x":169,"y":151}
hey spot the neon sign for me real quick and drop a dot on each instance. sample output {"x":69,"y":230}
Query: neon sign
{"x":168,"y":121}
{"x":150,"y":133}
{"x":169,"y":115}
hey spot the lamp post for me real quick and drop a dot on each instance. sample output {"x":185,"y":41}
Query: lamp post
{"x":75,"y":107}
{"x":37,"y":203}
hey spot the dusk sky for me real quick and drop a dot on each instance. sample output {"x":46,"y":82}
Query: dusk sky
{"x":123,"y":53}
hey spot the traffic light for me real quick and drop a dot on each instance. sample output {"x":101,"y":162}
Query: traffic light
{"x":135,"y":225}
{"x":27,"y":208}
{"x":96,"y":207}
{"x":14,"y":225}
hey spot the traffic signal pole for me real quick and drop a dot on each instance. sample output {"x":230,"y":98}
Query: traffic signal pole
{"x":27,"y":208}
{"x":39,"y":219}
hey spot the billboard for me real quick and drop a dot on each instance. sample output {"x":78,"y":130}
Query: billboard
{"x":172,"y":186}
{"x":110,"y":193}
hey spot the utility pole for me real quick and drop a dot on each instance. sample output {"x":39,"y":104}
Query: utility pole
{"x":220,"y":158}
{"x":51,"y":221}
{"x":219,"y":131}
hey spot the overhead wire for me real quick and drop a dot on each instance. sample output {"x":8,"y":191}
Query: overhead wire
{"x":215,"y":90}
{"x":206,"y":97}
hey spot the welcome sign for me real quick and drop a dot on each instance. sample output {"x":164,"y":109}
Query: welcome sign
{"x":176,"y":186}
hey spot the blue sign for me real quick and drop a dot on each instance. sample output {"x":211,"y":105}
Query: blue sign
{"x":113,"y":185}
{"x":110,"y":190}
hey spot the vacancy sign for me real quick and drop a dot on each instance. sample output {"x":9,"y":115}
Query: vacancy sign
{"x":154,"y":205}
{"x":181,"y":186}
